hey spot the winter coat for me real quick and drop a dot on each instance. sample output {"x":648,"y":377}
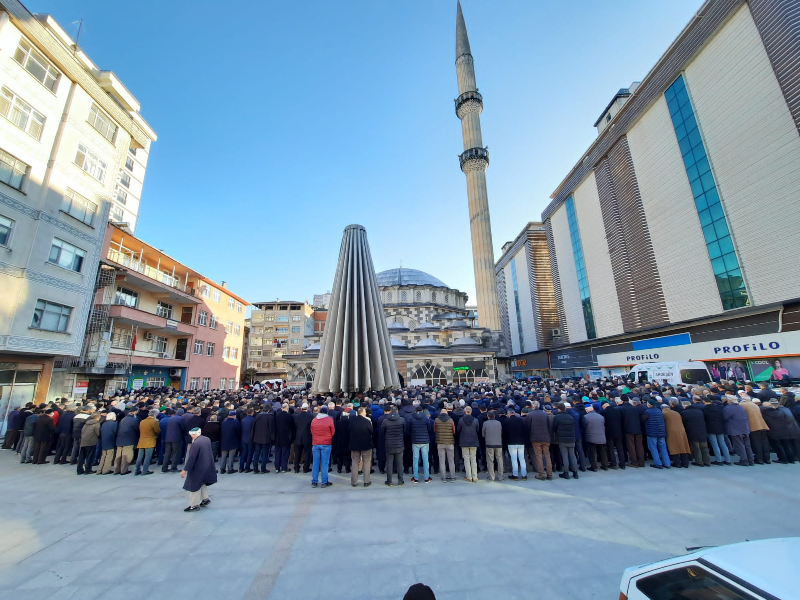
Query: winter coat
{"x":64,"y":426}
{"x":247,"y":429}
{"x":654,"y":424}
{"x":514,"y":430}
{"x":264,"y":428}
{"x":715,"y":422}
{"x":176,"y":429}
{"x":576,"y":416}
{"x":407,"y":412}
{"x":90,"y":432}
{"x":302,"y":428}
{"x":199,"y":466}
{"x":231,"y":434}
{"x":12,"y":424}
{"x":148,"y":433}
{"x":284,"y":428}
{"x":631,"y":419}
{"x":44,"y":430}
{"x":613,"y":416}
{"x":736,"y":422}
{"x":322,"y":430}
{"x":765,"y":395}
{"x":777,"y":422}
{"x":108,"y":435}
{"x":468,"y":432}
{"x":77,"y":425}
{"x":445,"y":428}
{"x":492,"y":432}
{"x":564,"y":428}
{"x":213,"y":431}
{"x":794,"y":429}
{"x":394,"y":427}
{"x":128,"y":431}
{"x":360,"y":431}
{"x":540,"y":425}
{"x":694,"y":422}
{"x":677,"y":442}
{"x":754,"y":417}
{"x":420,"y":427}
{"x":595,"y":426}
{"x":30,"y":424}
{"x":341,"y":439}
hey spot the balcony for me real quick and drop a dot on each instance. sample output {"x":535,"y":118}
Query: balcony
{"x":153,"y":323}
{"x":152,"y":278}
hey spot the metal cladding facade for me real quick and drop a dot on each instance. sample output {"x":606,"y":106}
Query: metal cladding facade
{"x":356,"y":350}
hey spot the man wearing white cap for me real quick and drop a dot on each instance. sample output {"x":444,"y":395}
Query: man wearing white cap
{"x":199,"y":470}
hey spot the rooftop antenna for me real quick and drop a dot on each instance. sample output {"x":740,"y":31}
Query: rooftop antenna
{"x":77,"y":37}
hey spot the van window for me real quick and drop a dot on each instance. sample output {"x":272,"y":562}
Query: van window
{"x":694,"y":375}
{"x":642,"y":376}
{"x":689,"y":583}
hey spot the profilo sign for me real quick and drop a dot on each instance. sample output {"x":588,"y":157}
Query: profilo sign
{"x":773,"y":344}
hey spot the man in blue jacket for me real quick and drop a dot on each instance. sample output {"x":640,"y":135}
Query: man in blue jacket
{"x":737,"y":426}
{"x":173,"y":439}
{"x":64,"y":431}
{"x":656,"y":430}
{"x":229,"y":443}
{"x":246,"y":454}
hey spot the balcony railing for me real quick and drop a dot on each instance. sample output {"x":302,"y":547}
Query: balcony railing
{"x":128,"y":261}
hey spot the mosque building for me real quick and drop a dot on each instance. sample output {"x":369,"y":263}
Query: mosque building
{"x":436,"y":337}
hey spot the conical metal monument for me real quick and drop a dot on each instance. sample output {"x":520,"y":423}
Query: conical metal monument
{"x":356,"y":350}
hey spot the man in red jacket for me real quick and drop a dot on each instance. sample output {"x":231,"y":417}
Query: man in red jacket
{"x":322,"y":430}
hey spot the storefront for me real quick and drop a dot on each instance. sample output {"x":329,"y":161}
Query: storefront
{"x":572,"y":362}
{"x":22,"y":382}
{"x":532,"y":364}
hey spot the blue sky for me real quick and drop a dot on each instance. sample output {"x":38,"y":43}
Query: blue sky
{"x":281,"y":122}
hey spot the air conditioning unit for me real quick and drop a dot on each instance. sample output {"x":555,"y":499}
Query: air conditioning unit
{"x":148,"y":335}
{"x":556,"y":333}
{"x":166,"y":355}
{"x":175,"y":372}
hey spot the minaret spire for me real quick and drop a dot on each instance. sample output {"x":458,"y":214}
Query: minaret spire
{"x":474,"y":161}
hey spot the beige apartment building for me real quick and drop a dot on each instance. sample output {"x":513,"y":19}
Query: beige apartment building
{"x":277,"y":330}
{"x":73,"y":152}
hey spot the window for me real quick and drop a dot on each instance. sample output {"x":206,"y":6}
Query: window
{"x":269,"y":329}
{"x":51,"y":316}
{"x":295,"y":340}
{"x":129,"y":163}
{"x":91,"y":163}
{"x":103,"y":123}
{"x":132,"y":150}
{"x":283,"y":319}
{"x":194,"y":383}
{"x":516,"y":304}
{"x":418,"y":297}
{"x":266,"y":365}
{"x":388,"y":296}
{"x":12,"y":171}
{"x":210,"y":348}
{"x":234,"y":353}
{"x":77,"y":206}
{"x":255,"y":341}
{"x":126,"y":297}
{"x":447,"y":298}
{"x":37,"y":65}
{"x":433,"y":296}
{"x":202,"y":317}
{"x":154,"y":382}
{"x":198,"y":347}
{"x":228,"y":326}
{"x":206,"y":383}
{"x":403,"y":296}
{"x":205,"y":291}
{"x":580,"y":268}
{"x":125,"y":180}
{"x":282,"y":330}
{"x":66,"y":255}
{"x":255,"y":353}
{"x":296,"y":329}
{"x":226,"y":352}
{"x":280,"y":364}
{"x":269,"y":318}
{"x":231,"y":383}
{"x":213,"y":323}
{"x":164,"y":310}
{"x":216,"y":295}
{"x":237,"y":329}
{"x":6,"y":225}
{"x":608,"y":117}
{"x":239,"y":307}
{"x":222,"y":381}
{"x":21,"y":114}
{"x":719,"y":242}
{"x":117,"y":215}
{"x":122,"y":338}
{"x":158,"y":344}
{"x":121,"y":196}
{"x":258,"y":330}
{"x":690,"y":581}
{"x":231,"y":303}
{"x":297,"y":318}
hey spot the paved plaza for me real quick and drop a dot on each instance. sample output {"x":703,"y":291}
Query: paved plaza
{"x":273,"y":536}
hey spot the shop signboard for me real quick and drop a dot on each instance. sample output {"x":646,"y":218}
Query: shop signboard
{"x":137,"y":384}
{"x":80,"y":388}
{"x":775,"y":369}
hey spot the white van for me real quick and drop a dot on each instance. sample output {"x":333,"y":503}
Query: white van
{"x":673,"y":372}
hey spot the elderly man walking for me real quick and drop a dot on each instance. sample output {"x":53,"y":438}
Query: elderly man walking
{"x":198,"y":470}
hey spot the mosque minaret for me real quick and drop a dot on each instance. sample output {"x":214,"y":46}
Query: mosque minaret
{"x":474,"y":161}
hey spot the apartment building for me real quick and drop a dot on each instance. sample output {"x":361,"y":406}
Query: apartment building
{"x":67,"y":131}
{"x":154,"y":322}
{"x":674,"y":235}
{"x":277,"y":329}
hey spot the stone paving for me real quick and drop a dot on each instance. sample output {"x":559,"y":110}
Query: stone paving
{"x":273,"y":536}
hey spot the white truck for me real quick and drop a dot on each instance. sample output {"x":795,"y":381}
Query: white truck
{"x":673,"y":372}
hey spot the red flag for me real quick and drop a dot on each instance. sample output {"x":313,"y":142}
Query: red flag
{"x":133,"y":343}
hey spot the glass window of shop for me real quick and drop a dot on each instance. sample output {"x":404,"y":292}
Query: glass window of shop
{"x":17,"y":388}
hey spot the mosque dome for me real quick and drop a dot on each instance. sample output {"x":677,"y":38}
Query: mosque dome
{"x":458,"y":324}
{"x":397,"y":327}
{"x":397,"y":343}
{"x":396,"y":277}
{"x":427,"y":343}
{"x":466,"y":341}
{"x":316,"y":346}
{"x":426,"y":326}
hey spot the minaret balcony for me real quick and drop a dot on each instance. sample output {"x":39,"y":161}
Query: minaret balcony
{"x":468,"y":102}
{"x":474,"y":159}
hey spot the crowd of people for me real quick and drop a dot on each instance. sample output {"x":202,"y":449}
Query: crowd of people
{"x":504,"y":430}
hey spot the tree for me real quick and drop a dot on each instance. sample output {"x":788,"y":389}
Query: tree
{"x":249,"y":376}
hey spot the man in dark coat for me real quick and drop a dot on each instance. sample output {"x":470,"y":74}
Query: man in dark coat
{"x":394,"y":427}
{"x":127,"y":436}
{"x":263,"y":438}
{"x":360,"y":432}
{"x":715,"y":427}
{"x":199,"y":471}
{"x":230,"y":438}
{"x":173,"y":438}
{"x":341,"y":442}
{"x":64,"y":432}
{"x":302,"y":439}
{"x":564,"y":434}
{"x":694,"y":422}
{"x":780,"y":435}
{"x":614,"y":433}
{"x":284,"y":434}
{"x":632,"y":427}
{"x":43,"y":437}
{"x":12,"y":430}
